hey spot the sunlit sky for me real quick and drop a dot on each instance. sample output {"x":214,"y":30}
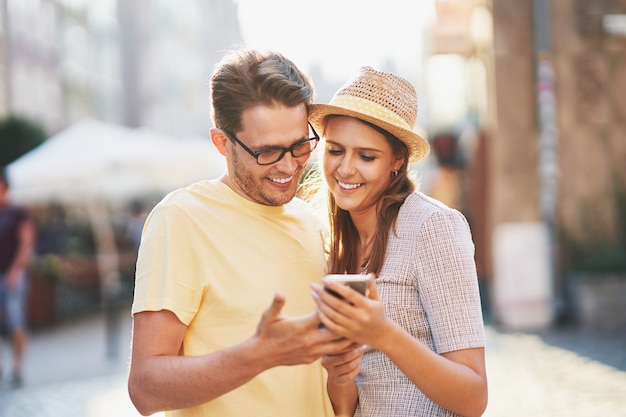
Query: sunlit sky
{"x":340,"y":35}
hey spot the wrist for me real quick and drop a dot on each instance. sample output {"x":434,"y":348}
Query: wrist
{"x":257,"y":355}
{"x":388,"y":338}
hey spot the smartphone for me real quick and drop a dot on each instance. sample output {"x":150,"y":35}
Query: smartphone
{"x":357,"y":282}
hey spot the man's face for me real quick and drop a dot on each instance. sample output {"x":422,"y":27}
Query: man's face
{"x":264,"y":128}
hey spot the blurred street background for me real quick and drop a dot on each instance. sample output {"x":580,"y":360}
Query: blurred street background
{"x":104,"y":109}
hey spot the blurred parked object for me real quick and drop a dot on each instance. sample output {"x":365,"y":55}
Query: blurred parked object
{"x":44,"y":273}
{"x":523,"y":291}
{"x":599,"y":301}
{"x":596,"y":281}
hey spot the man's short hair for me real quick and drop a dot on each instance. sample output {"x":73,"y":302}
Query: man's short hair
{"x":247,"y":77}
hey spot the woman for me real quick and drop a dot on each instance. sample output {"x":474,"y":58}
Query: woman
{"x":421,"y":323}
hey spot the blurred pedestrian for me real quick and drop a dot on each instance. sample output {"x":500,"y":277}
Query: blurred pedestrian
{"x":447,"y":181}
{"x":135,"y":222}
{"x":422,"y":322}
{"x":17,"y":240}
{"x":215,"y":255}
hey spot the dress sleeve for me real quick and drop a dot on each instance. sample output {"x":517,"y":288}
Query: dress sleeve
{"x":448,"y":284}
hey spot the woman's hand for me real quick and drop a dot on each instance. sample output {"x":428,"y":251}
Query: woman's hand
{"x":356,"y":317}
{"x":343,"y":368}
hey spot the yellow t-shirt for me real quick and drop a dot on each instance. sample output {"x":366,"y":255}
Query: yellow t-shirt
{"x":216,"y":259}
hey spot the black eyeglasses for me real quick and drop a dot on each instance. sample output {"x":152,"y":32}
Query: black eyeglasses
{"x":273,"y":155}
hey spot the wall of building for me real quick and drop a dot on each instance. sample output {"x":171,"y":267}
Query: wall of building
{"x":558,"y":149}
{"x":591,"y":77}
{"x":136,"y":63}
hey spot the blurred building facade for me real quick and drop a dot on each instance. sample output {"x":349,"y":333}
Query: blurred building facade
{"x":533,"y":91}
{"x":134,"y":63}
{"x":543,"y":87}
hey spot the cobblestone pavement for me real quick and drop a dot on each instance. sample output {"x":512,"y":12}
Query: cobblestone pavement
{"x":554,"y":373}
{"x":86,"y":397}
{"x":77,"y":369}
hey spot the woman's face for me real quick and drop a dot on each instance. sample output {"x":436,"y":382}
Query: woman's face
{"x":358,"y":162}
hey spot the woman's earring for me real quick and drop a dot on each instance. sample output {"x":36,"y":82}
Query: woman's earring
{"x":394,"y":173}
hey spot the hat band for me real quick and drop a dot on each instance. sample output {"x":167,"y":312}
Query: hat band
{"x":370,"y":108}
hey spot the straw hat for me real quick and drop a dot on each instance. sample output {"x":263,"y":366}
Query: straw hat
{"x":380,"y":98}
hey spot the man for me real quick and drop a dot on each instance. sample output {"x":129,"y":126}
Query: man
{"x":17,"y":237}
{"x":216,"y":254}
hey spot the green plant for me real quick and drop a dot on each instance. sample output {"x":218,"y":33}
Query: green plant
{"x":18,"y":135}
{"x":597,"y":255}
{"x":601,"y":260}
{"x":48,"y":267}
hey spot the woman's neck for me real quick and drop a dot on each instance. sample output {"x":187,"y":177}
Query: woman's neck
{"x":366,"y":227}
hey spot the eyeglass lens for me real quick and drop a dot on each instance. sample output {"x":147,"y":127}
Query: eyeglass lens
{"x":297,"y":150}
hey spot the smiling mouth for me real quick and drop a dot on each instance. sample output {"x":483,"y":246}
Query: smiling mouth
{"x":281,"y":180}
{"x":348,"y":186}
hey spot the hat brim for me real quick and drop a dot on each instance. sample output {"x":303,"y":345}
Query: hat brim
{"x":417,"y":145}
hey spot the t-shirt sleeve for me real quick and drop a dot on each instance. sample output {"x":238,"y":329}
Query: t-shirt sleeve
{"x":167,"y":277}
{"x":448,"y":288}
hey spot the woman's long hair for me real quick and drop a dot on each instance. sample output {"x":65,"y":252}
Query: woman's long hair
{"x":344,"y":238}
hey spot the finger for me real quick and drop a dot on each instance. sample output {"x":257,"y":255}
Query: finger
{"x":343,"y":291}
{"x":328,"y":315}
{"x":273,"y":311}
{"x":326,"y":298}
{"x":349,"y":298}
{"x":352,"y":354}
{"x":371,"y":287}
{"x":335,"y":314}
{"x":344,"y":372}
{"x":341,"y":345}
{"x":332,"y":361}
{"x":334,"y":348}
{"x":346,"y":361}
{"x":327,"y":325}
{"x":342,"y":380}
{"x":316,"y":294}
{"x":353,"y":350}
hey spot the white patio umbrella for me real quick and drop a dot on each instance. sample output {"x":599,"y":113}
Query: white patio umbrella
{"x":92,"y":160}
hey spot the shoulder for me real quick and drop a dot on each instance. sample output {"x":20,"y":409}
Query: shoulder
{"x":421,"y":210}
{"x":192,"y":194}
{"x":18,"y":212}
{"x":297,"y":205}
{"x":303,"y":209}
{"x":419,"y":204}
{"x":181,"y":202}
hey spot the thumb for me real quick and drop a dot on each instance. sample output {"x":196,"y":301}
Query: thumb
{"x":273,"y":311}
{"x":371,"y":287}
